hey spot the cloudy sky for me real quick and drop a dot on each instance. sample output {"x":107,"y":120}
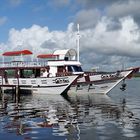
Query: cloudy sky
{"x":109,"y":29}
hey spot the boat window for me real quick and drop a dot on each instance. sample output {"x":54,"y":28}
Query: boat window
{"x":60,"y":69}
{"x":75,"y":69}
{"x":10,"y":73}
{"x":28,"y":73}
{"x":70,"y":69}
{"x":66,"y":58}
{"x":21,"y":72}
{"x":36,"y":72}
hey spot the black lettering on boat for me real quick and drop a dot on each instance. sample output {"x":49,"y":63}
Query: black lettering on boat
{"x":61,"y":80}
{"x":33,"y":81}
{"x":23,"y":81}
{"x":108,"y":76}
{"x":57,"y":81}
{"x":43,"y":81}
{"x":14,"y":81}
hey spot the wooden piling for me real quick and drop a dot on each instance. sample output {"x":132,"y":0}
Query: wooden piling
{"x":0,"y":93}
{"x":17,"y":93}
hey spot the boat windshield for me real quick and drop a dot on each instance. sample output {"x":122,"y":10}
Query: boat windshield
{"x":75,"y":69}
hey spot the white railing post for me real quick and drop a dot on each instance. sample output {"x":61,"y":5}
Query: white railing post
{"x":78,"y":42}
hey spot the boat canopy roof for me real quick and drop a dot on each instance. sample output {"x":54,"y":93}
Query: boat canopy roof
{"x":69,"y":54}
{"x":47,"y":56}
{"x":17,"y":53}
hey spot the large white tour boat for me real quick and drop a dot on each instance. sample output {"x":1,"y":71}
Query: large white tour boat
{"x":32,"y":76}
{"x":57,"y":73}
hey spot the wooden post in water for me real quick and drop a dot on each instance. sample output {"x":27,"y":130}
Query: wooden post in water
{"x":17,"y":89}
{"x":2,"y":96}
{"x":13,"y":91}
{"x":4,"y":100}
{"x":17,"y":93}
{"x":1,"y":89}
{"x":0,"y":93}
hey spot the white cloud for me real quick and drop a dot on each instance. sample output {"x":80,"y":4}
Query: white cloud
{"x":111,"y":46}
{"x":15,"y":2}
{"x":62,"y":2}
{"x":59,"y":3}
{"x":124,"y":8}
{"x":88,"y":18}
{"x":37,"y":39}
{"x":3,"y":20}
{"x":98,"y":46}
{"x":117,"y":42}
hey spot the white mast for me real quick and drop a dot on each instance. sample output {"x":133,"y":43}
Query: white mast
{"x":3,"y":61}
{"x":78,"y":41}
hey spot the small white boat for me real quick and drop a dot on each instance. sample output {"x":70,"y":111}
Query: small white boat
{"x":32,"y":76}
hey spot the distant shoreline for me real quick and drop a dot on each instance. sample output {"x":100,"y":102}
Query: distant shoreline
{"x":137,"y":75}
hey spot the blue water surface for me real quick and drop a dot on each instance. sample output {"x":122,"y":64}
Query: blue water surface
{"x":74,"y":117}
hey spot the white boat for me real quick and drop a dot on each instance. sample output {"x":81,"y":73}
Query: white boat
{"x":32,"y":76}
{"x":57,"y":73}
{"x":64,"y":61}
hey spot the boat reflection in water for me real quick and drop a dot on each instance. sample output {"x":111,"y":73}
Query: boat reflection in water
{"x":71,"y":117}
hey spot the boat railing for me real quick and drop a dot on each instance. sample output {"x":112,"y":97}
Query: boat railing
{"x":59,"y":74}
{"x":24,"y":64}
{"x":96,"y":73}
{"x":90,"y":73}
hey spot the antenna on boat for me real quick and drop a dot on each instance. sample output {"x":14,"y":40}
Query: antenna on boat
{"x":78,"y":41}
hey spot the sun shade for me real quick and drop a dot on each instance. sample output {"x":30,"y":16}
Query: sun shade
{"x":47,"y":56}
{"x":16,"y":53}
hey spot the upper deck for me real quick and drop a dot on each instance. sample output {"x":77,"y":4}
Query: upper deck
{"x":19,"y":64}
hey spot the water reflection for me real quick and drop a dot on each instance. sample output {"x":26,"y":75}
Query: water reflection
{"x":101,"y":112}
{"x":71,"y":117}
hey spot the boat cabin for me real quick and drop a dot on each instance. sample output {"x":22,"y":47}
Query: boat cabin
{"x":20,"y":68}
{"x":66,"y":62}
{"x":58,"y":63}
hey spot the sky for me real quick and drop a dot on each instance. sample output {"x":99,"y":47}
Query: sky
{"x":109,"y":29}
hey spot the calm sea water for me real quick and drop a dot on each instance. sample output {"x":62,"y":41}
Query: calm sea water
{"x":81,"y":117}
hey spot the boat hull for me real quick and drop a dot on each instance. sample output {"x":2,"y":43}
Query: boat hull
{"x":103,"y":88}
{"x":99,"y":83}
{"x":51,"y":85}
